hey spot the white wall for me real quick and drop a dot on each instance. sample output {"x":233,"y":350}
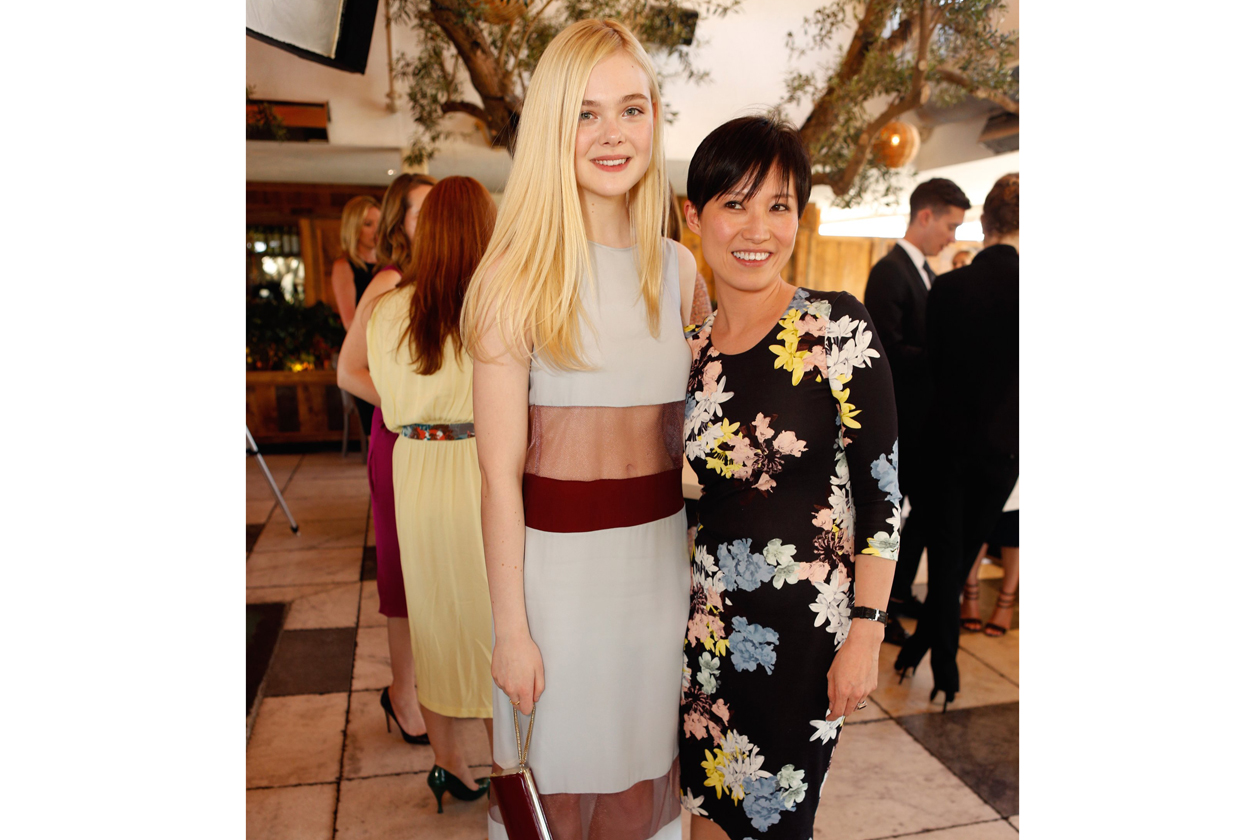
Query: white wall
{"x":745,"y":54}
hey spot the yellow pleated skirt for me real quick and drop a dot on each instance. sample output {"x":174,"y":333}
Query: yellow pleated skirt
{"x":437,"y":498}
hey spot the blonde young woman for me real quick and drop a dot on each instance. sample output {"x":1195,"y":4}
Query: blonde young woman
{"x":575,"y":319}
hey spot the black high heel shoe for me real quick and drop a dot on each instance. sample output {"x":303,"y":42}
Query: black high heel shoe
{"x":443,"y":781}
{"x":389,"y":713}
{"x":949,"y":697}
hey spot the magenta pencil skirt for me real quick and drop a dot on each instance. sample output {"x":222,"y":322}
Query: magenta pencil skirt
{"x":389,"y":579}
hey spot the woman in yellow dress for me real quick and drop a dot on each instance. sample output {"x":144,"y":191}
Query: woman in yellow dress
{"x":421,"y":376}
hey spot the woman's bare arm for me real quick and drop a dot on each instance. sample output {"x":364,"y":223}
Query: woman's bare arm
{"x":686,"y":286}
{"x":343,"y":290}
{"x":501,"y":415}
{"x":352,"y":362}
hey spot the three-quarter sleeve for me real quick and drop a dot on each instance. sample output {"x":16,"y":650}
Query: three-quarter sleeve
{"x":866,"y":449}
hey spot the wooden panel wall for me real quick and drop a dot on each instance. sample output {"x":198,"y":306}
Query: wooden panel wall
{"x":270,"y":203}
{"x":281,"y":406}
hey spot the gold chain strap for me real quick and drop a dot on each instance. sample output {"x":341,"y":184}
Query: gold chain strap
{"x":523,"y":755}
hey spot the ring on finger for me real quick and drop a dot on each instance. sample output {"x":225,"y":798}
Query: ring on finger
{"x":516,"y":702}
{"x":861,"y":705}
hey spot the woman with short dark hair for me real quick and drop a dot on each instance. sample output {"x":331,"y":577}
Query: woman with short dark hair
{"x":791,"y":427}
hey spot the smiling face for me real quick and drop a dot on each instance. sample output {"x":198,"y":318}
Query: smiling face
{"x":367,"y":230}
{"x":748,"y":240}
{"x":415,"y":198}
{"x":614,"y":132}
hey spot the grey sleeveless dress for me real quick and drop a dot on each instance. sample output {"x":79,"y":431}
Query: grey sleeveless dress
{"x":606,"y":570}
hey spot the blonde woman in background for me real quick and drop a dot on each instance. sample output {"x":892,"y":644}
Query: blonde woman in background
{"x":353,"y":270}
{"x":399,"y":211}
{"x":575,"y":319}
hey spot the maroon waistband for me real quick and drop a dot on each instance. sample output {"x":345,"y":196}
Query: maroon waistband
{"x":575,"y":506}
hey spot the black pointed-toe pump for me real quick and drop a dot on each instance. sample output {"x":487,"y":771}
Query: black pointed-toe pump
{"x":389,"y":713}
{"x":443,"y":781}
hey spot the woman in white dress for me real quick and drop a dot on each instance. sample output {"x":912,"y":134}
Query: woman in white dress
{"x":575,"y":319}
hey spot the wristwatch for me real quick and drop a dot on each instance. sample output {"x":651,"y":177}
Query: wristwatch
{"x":870,"y":613}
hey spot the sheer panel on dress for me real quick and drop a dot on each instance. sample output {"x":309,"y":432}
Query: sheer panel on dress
{"x":589,"y":443}
{"x":636,"y":813}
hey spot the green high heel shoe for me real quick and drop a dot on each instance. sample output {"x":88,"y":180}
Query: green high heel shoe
{"x":442,"y":781}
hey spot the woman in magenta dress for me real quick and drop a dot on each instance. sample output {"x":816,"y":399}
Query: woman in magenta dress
{"x":399,"y":211}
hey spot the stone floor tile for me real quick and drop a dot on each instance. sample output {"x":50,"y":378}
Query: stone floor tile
{"x":371,"y":660}
{"x":979,"y":685}
{"x":257,"y":511}
{"x":312,"y":534}
{"x":252,"y":532}
{"x":883,"y":783}
{"x":296,"y":568}
{"x":284,"y":461}
{"x":350,"y":468}
{"x":1000,"y":653}
{"x":870,"y":713}
{"x":370,"y":606}
{"x":403,"y":807}
{"x":367,"y":570}
{"x":1014,"y":820}
{"x":339,"y":488}
{"x":979,"y":745}
{"x":370,"y":750}
{"x":336,"y":507}
{"x":992,"y":830}
{"x":304,"y":812}
{"x":258,"y":491}
{"x":314,"y":606}
{"x":312,"y":662}
{"x":296,"y":740}
{"x":332,"y":458}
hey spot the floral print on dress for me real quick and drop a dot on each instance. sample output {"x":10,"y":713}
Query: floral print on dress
{"x":794,"y":442}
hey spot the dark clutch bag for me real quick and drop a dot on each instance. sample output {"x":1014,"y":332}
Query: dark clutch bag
{"x":517,"y":794}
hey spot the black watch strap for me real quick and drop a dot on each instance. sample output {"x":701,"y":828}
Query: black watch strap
{"x":870,"y":613}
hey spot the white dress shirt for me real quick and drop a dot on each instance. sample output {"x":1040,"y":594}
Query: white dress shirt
{"x":917,"y":257}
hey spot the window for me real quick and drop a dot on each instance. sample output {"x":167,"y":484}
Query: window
{"x":274,"y":268}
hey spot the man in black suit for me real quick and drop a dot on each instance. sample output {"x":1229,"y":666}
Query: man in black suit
{"x":896,"y":296}
{"x":973,"y":437}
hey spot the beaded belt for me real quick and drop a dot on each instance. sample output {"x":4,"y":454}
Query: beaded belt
{"x":437,"y":431}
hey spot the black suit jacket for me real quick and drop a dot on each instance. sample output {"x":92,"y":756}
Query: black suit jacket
{"x":897,"y":300}
{"x":973,"y":345}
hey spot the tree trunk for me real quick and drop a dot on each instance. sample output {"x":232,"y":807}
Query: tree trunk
{"x":823,"y":117}
{"x":501,"y":106}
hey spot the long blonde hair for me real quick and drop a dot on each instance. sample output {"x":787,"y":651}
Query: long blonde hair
{"x":539,"y":249}
{"x":351,"y":221}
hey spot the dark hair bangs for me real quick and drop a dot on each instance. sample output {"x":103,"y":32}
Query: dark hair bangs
{"x":742,"y":153}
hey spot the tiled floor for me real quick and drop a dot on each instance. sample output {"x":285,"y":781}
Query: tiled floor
{"x":321,"y":765}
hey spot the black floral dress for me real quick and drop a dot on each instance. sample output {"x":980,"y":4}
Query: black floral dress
{"x":795,"y":444}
